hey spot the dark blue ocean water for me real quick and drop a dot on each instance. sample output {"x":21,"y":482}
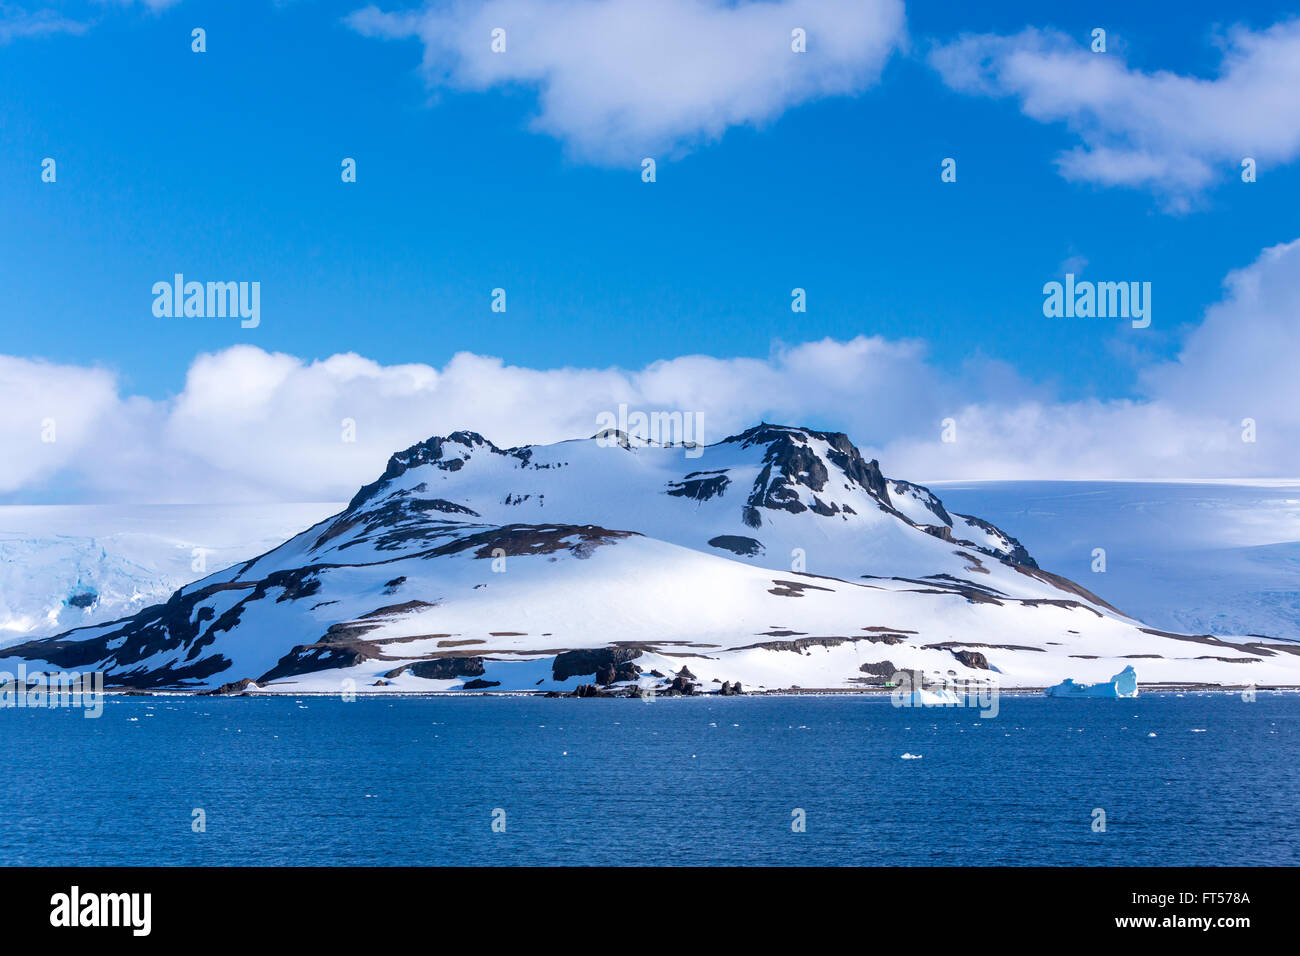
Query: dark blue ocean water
{"x":676,"y":781}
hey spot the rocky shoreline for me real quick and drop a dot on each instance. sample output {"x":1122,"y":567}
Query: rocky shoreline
{"x":613,"y":694}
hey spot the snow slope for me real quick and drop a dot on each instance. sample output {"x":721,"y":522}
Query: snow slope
{"x":780,"y":558}
{"x":65,"y":566}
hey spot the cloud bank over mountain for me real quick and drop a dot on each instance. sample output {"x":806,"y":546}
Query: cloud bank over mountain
{"x":255,"y":425}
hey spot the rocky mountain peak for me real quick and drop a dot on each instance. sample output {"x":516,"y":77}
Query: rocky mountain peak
{"x":803,"y":458}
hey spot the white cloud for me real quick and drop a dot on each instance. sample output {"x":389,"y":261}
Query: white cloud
{"x":1241,"y":360}
{"x":151,"y":4}
{"x":621,"y":79}
{"x":18,"y":22}
{"x":1173,"y":133}
{"x":48,"y":413}
{"x":251,"y":424}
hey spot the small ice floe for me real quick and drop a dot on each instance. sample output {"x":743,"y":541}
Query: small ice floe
{"x":911,"y":756}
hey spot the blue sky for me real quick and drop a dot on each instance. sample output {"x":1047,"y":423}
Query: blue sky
{"x":225,"y":165}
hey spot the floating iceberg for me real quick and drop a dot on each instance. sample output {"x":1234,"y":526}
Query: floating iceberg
{"x":1123,"y":684}
{"x":938,"y":697}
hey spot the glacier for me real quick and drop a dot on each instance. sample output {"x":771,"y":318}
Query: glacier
{"x":65,"y":566}
{"x":1201,"y":557}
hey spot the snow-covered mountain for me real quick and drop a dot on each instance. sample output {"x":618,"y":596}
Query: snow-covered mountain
{"x":779,"y":558}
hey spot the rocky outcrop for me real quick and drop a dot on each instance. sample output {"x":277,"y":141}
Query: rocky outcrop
{"x":879,"y":672}
{"x":737,"y":544}
{"x":973,"y":659}
{"x":682,"y":686}
{"x":608,"y":674}
{"x":441,"y":668}
{"x":238,"y":688}
{"x":83,"y":599}
{"x":590,"y":660}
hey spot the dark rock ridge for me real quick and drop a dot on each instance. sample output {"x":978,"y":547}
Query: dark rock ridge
{"x":307,"y":659}
{"x":441,"y":668}
{"x":440,"y":452}
{"x":1018,"y":553}
{"x":880,"y":672}
{"x":790,"y":462}
{"x":928,"y":498}
{"x":700,"y":485}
